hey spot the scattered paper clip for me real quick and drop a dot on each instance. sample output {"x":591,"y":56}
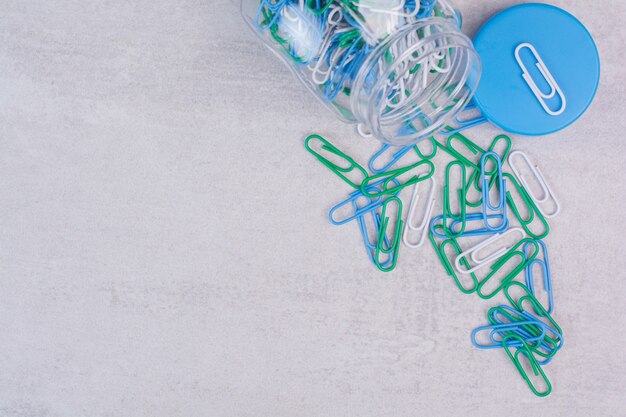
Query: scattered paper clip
{"x":384,"y":151}
{"x":477,"y":218}
{"x":488,"y":207}
{"x":502,"y":282}
{"x":545,"y":188}
{"x":482,"y":262}
{"x":392,"y":248}
{"x":341,"y":171}
{"x":454,"y":194}
{"x":507,"y":328}
{"x":422,"y":226}
{"x":440,"y":250}
{"x":545,"y":271}
{"x":526,"y":352}
{"x":533,"y":211}
{"x":393,"y":176}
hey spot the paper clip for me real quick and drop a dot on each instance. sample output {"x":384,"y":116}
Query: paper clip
{"x":440,"y":250}
{"x":383,"y":151}
{"x":503,"y":282}
{"x":423,"y":224}
{"x":372,"y":204}
{"x":370,"y":247}
{"x":471,"y":252}
{"x":525,"y":350}
{"x":434,"y":144}
{"x":474,"y":178}
{"x":531,"y":206}
{"x":477,"y":217}
{"x":317,"y":7}
{"x":546,"y":347}
{"x":518,"y":303}
{"x":394,"y":246}
{"x":545,"y":188}
{"x":518,"y":327}
{"x":505,"y":314}
{"x":487,"y":206}
{"x":447,"y":198}
{"x":471,"y":146}
{"x":352,"y":165}
{"x":553,"y":340}
{"x":393,"y":175}
{"x":270,"y":12}
{"x":545,"y":270}
{"x":554,"y":87}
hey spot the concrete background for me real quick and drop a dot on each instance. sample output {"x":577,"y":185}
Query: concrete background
{"x":164,"y":247}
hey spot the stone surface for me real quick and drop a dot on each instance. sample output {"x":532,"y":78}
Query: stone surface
{"x":164,"y":247}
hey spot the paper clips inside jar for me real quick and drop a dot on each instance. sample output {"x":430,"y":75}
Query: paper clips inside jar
{"x":400,"y":68}
{"x":416,"y":82}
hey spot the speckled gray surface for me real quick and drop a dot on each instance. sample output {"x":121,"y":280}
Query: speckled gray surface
{"x":164,"y":248}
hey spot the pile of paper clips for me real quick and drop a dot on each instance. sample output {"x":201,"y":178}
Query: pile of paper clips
{"x":474,"y":236}
{"x":341,"y":50}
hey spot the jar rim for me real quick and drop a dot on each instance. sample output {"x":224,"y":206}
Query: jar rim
{"x":369,"y":108}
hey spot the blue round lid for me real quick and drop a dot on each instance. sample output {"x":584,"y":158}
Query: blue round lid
{"x":540,"y":69}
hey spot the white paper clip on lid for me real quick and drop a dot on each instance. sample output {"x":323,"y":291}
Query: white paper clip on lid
{"x":540,"y":69}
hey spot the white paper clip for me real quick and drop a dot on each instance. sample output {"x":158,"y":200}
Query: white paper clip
{"x":554,"y":87}
{"x":545,"y":188}
{"x":423,"y":225}
{"x":481,"y":262}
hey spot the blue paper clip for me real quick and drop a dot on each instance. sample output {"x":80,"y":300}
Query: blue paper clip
{"x":524,"y":316}
{"x":433,"y":229}
{"x":342,"y":71}
{"x":475,"y":217}
{"x":487,"y":206}
{"x":549,"y":344}
{"x":395,"y":157}
{"x":370,"y":247}
{"x":503,"y":329}
{"x":373,"y":204}
{"x":274,"y":8}
{"x":426,"y":8}
{"x":547,"y":281}
{"x":556,"y":339}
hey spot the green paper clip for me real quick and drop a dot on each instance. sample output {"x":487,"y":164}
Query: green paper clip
{"x":441,"y":254}
{"x":392,"y":177}
{"x":526,"y":351}
{"x":394,"y":246}
{"x":471,"y":146}
{"x":460,"y":193}
{"x":511,"y":253}
{"x":342,"y":172}
{"x":530,"y":204}
{"x":474,"y":178}
{"x":540,"y":311}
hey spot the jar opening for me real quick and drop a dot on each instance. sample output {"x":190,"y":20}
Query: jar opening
{"x":416,"y":82}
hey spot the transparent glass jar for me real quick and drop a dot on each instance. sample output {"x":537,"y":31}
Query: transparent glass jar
{"x":401,"y":68}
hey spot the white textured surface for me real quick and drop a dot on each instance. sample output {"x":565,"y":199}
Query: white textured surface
{"x":164,"y":248}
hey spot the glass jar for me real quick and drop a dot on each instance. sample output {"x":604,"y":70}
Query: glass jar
{"x":401,"y":68}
